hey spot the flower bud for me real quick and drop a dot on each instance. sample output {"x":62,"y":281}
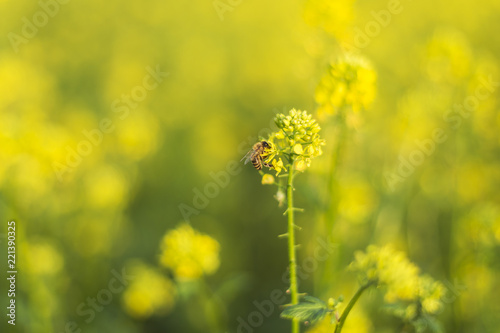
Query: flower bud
{"x":267,"y":179}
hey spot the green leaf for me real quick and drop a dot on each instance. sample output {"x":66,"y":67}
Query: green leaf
{"x":310,"y":309}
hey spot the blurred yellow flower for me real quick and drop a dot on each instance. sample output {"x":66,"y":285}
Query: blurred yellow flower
{"x":334,"y":17}
{"x":404,"y":287}
{"x":349,"y":82}
{"x":448,"y":57}
{"x":106,"y":187}
{"x":189,"y":253}
{"x":300,"y":165}
{"x":267,"y":179}
{"x":430,"y":293}
{"x":41,"y":258}
{"x":388,"y":267}
{"x":149,"y":292}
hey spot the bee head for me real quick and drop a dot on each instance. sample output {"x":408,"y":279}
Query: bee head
{"x":265,"y":144}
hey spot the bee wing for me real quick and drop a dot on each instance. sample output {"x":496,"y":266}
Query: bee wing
{"x":248,"y":156}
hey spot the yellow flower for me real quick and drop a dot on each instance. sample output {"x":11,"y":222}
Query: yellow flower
{"x":349,"y":82}
{"x":149,"y":292}
{"x":404,"y":287}
{"x":300,"y":165}
{"x":278,"y":166}
{"x":431,"y":292}
{"x":297,"y":149}
{"x":189,"y":253}
{"x":298,"y":138}
{"x":267,"y":179}
{"x":106,"y":186}
{"x":280,"y":136}
{"x":41,"y":258}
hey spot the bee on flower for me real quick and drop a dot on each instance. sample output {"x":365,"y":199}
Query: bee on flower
{"x":295,"y":144}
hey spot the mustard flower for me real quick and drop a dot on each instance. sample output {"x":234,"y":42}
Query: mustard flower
{"x":41,"y":258}
{"x":149,"y":292}
{"x":430,"y":293}
{"x":409,"y":294}
{"x":188,"y":253}
{"x":349,"y":82}
{"x":297,"y":140}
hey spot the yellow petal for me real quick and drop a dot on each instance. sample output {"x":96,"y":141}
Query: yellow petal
{"x":300,"y":165}
{"x":298,"y":149}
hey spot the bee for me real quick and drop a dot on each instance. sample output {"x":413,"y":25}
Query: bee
{"x":255,"y":155}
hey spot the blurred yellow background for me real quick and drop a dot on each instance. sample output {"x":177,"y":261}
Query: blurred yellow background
{"x":117,"y":118}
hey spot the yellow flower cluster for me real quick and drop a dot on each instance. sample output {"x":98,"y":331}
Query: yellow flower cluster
{"x":188,"y":253}
{"x":349,"y":82}
{"x":413,"y":294}
{"x":430,"y":293}
{"x":298,"y":140}
{"x":149,"y":292}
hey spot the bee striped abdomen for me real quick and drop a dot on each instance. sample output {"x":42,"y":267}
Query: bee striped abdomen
{"x":257,"y":162}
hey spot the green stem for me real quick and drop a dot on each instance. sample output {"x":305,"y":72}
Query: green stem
{"x":332,"y":198}
{"x":334,"y":163}
{"x":291,"y":245}
{"x":353,"y":301}
{"x":215,"y":313}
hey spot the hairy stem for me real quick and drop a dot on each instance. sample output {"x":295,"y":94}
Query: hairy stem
{"x":291,"y":245}
{"x":353,"y":301}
